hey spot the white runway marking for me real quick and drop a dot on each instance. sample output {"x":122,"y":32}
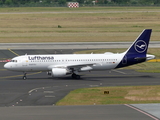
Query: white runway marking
{"x":141,"y":111}
{"x":153,"y":108}
{"x":48,"y":91}
{"x":119,"y":71}
{"x":49,"y":96}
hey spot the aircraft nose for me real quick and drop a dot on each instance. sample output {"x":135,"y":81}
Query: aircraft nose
{"x":6,"y":66}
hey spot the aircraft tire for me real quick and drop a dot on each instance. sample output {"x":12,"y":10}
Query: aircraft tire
{"x":78,"y":77}
{"x":24,"y":77}
{"x":75,"y":76}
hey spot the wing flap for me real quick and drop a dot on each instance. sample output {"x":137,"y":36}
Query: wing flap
{"x":76,"y":67}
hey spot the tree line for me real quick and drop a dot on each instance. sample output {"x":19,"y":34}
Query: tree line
{"x":82,"y":2}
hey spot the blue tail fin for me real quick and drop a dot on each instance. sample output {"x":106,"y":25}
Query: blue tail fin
{"x":140,"y":45}
{"x":136,"y":53}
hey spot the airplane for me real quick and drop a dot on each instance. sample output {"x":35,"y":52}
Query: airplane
{"x":60,"y":65}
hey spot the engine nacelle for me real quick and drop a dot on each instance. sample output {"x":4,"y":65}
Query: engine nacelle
{"x":59,"y":72}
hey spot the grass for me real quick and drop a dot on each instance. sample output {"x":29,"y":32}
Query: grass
{"x":78,"y":25}
{"x":117,"y":95}
{"x":150,"y":67}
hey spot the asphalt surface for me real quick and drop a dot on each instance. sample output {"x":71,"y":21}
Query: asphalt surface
{"x":73,"y":45}
{"x":35,"y":97}
{"x":97,"y":112}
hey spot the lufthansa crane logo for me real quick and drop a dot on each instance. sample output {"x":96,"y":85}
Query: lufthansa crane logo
{"x":140,"y":46}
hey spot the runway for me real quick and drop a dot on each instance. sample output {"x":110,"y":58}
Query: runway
{"x":42,"y":91}
{"x":73,"y":45}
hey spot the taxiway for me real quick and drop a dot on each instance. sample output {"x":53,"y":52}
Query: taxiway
{"x":43,"y":91}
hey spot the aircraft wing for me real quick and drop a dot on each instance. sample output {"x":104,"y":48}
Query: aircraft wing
{"x":81,"y":67}
{"x":74,"y":67}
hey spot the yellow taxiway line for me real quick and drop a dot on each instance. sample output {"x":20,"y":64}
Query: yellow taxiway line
{"x":3,"y":69}
{"x":154,"y":60}
{"x":21,"y":75}
{"x":13,"y":52}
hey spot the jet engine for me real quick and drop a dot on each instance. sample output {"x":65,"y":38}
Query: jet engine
{"x":59,"y":72}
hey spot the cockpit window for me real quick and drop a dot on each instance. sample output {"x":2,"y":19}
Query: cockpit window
{"x":13,"y":61}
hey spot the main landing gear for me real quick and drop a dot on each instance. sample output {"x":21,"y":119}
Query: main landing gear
{"x":24,"y":77}
{"x":76,"y":76}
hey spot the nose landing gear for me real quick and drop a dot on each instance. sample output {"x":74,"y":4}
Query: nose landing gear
{"x":24,"y":77}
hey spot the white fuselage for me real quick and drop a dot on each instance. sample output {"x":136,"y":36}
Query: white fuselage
{"x":48,"y":62}
{"x":61,"y":65}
